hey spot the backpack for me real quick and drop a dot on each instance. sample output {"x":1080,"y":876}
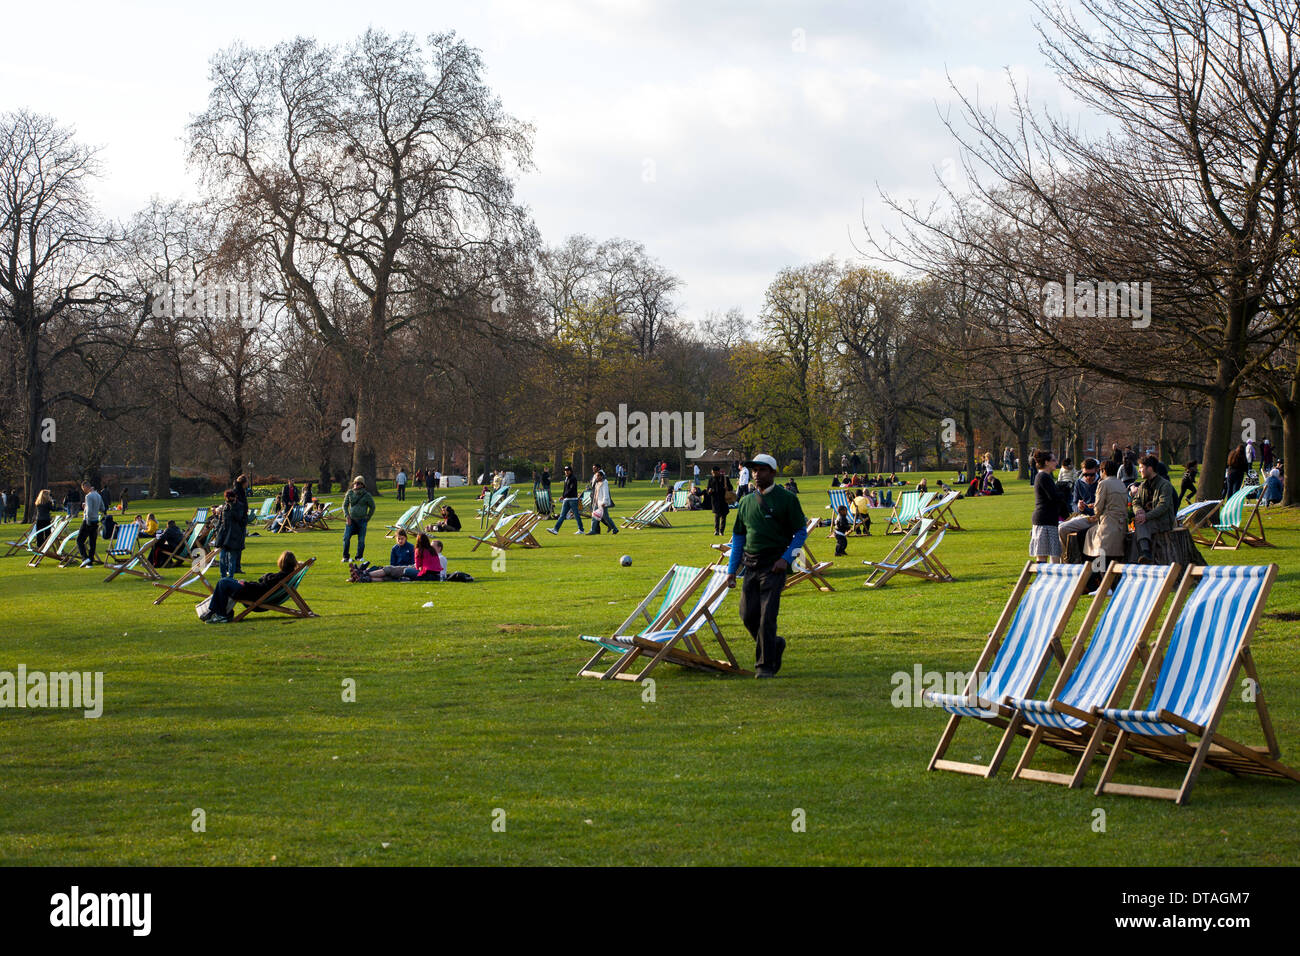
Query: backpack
{"x":107,"y":527}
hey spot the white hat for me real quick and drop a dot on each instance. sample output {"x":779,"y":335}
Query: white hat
{"x":762,"y":460}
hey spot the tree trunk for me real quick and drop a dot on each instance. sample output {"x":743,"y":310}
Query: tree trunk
{"x":36,"y":472}
{"x":1291,"y":453}
{"x":968,"y":429}
{"x":1218,"y":435}
{"x":160,"y":477}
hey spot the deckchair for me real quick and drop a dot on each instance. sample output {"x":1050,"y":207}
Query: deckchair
{"x":1096,"y":677}
{"x":50,"y":547}
{"x":1203,"y":646}
{"x":428,"y":515}
{"x":670,"y":635}
{"x":288,"y":522}
{"x":838,"y":496}
{"x":407,"y":522}
{"x":1196,"y":516}
{"x":67,"y":554}
{"x":129,"y":555}
{"x":199,"y":520}
{"x":941,"y":510}
{"x":265,"y":513}
{"x":914,"y":555}
{"x":1023,"y":642}
{"x":24,"y":542}
{"x":542,"y":502}
{"x":907,"y":510}
{"x":652,"y":514}
{"x":284,"y":598}
{"x":196,"y":575}
{"x":512,"y":530}
{"x":490,"y":507}
{"x":584,"y":503}
{"x":1230,"y":524}
{"x":681,"y":500}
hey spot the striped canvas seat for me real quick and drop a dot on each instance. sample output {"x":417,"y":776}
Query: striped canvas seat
{"x":1014,"y":659}
{"x":653,"y":513}
{"x":542,"y":502}
{"x":909,"y":509}
{"x":23,"y":542}
{"x":1201,"y":653}
{"x":124,"y":540}
{"x":839,"y":497}
{"x":405,"y":523}
{"x":1234,"y":523}
{"x":284,"y":598}
{"x":676,"y":583}
{"x":681,"y":500}
{"x":1140,"y":592}
{"x":1044,"y":609}
{"x":915,"y":555}
{"x":52,"y":541}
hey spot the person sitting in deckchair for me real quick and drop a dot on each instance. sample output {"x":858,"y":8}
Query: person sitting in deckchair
{"x":229,"y":590}
{"x":167,"y":542}
{"x":150,"y":525}
{"x":862,"y":513}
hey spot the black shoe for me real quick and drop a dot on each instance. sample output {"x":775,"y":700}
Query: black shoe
{"x":764,"y":672}
{"x":780,"y":652}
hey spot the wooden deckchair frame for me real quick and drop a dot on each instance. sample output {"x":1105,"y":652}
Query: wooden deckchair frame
{"x":894,"y":524}
{"x":408,"y":522}
{"x":915,"y":555}
{"x":652,"y":514}
{"x":1089,"y":740}
{"x":940,"y":510}
{"x":135,"y":562}
{"x":287,"y":591}
{"x":640,"y":618}
{"x":1198,"y":517}
{"x":196,"y":574}
{"x":1213,"y":748}
{"x":1012,"y":724}
{"x":184,"y":550}
{"x":510,"y":531}
{"x":1240,"y":533}
{"x":24,"y":542}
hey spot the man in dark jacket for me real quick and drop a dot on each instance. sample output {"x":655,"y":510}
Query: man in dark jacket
{"x":1154,"y":509}
{"x":289,"y":494}
{"x":234,"y":527}
{"x":569,"y":501}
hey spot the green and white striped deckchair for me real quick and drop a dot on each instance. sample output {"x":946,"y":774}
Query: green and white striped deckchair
{"x":405,"y":523}
{"x":907,"y":510}
{"x":511,"y":530}
{"x":1095,"y":677}
{"x":24,"y":542}
{"x":1203,"y":646}
{"x":542,"y":503}
{"x":284,"y":598}
{"x":681,"y":499}
{"x":185,"y":549}
{"x":263,"y":514}
{"x":653,"y":513}
{"x":128,"y":554}
{"x":199,"y":567}
{"x":671,"y":633}
{"x":52,"y":540}
{"x":1022,"y":644}
{"x":1229,"y":523}
{"x":940,"y":509}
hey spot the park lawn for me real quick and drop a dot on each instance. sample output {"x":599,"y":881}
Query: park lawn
{"x":468,"y":712}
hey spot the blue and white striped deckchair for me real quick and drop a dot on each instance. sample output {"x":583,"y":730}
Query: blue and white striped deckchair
{"x":1204,"y":644}
{"x":1230,"y":522}
{"x":940,"y":509}
{"x":1096,"y":677}
{"x":913,"y":555}
{"x":838,"y":497}
{"x":908,"y":510}
{"x":128,"y":554}
{"x":1018,"y":651}
{"x":50,"y":547}
{"x":672,"y":636}
{"x":1196,"y":516}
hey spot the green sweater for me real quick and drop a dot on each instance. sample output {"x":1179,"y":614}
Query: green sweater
{"x":769,"y":523}
{"x":358,"y":505}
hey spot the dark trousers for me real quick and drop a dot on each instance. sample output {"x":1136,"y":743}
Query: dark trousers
{"x":357,"y":528}
{"x":719,"y":521}
{"x":223,"y":596}
{"x":89,"y":531}
{"x":401,"y":492}
{"x":428,"y":492}
{"x":841,"y":543}
{"x":760,"y":602}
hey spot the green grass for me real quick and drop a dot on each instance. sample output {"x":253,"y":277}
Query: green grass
{"x":472,"y":705}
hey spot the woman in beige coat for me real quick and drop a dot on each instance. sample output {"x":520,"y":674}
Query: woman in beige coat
{"x":1110,"y":518}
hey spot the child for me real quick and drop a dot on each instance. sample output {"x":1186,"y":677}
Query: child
{"x":861,"y":508}
{"x":842,"y":525}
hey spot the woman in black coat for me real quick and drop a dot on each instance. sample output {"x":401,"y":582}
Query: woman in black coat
{"x":234,"y":524}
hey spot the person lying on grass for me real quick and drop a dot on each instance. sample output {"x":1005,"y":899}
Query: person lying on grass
{"x":229,"y":590}
{"x":421,"y":563}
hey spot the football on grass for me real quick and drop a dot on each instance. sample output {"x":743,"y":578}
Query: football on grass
{"x":626,"y":560}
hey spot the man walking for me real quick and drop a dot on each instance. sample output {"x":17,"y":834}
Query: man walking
{"x":401,"y":484}
{"x":569,"y":501}
{"x":89,"y":530}
{"x":719,"y":485}
{"x":768,"y":530}
{"x":358,"y":507}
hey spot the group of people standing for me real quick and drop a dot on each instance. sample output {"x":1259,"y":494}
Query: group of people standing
{"x":602,"y":502}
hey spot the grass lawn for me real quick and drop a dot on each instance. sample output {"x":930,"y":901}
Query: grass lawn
{"x":471,"y":706}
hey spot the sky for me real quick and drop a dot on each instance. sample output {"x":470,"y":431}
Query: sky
{"x":732,"y":139}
